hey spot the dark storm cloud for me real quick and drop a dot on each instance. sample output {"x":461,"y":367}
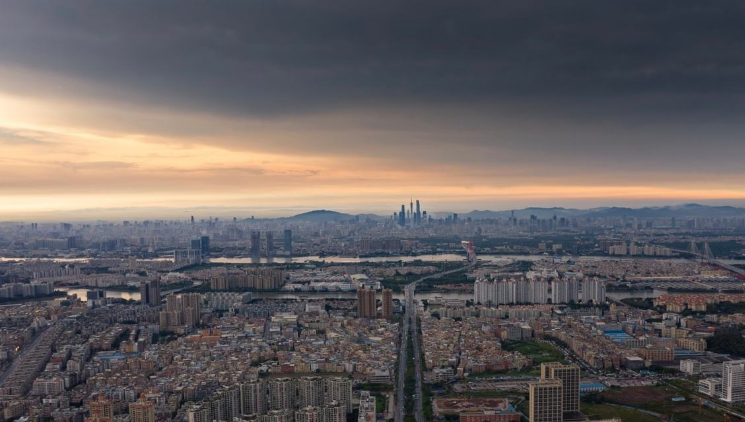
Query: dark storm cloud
{"x":282,"y":57}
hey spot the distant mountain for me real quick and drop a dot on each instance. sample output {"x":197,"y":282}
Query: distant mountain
{"x":678,"y":211}
{"x":319,"y":216}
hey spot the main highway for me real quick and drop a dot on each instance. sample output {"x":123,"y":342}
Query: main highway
{"x":409,"y":328}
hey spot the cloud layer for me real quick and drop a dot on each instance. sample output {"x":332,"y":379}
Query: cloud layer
{"x":290,"y":103}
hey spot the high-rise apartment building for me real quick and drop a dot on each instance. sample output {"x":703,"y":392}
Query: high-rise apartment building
{"x":310,"y":391}
{"x":501,"y":292}
{"x":733,"y":381}
{"x":253,"y":397}
{"x":185,"y":310}
{"x":101,"y":410}
{"x":593,"y":290}
{"x":191,"y":309}
{"x":339,"y":390}
{"x":387,"y":304}
{"x":282,"y":392}
{"x":565,"y":291}
{"x":142,"y":411}
{"x":545,"y":401}
{"x":366,"y":303}
{"x":569,"y":377}
{"x":150,"y":292}
{"x":309,"y":414}
{"x":333,"y":412}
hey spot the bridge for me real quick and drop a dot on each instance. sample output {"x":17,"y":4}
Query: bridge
{"x":708,"y":256}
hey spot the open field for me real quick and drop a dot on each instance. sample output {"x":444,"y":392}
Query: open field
{"x":607,"y":411}
{"x":658,"y":399}
{"x":539,"y":352}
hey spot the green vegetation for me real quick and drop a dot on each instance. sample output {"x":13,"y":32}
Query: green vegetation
{"x":608,"y":411}
{"x":119,"y":339}
{"x":726,"y":308}
{"x":174,"y":286}
{"x":431,"y":284}
{"x":53,"y":295}
{"x":163,"y":337}
{"x":729,"y":343}
{"x":399,"y":281}
{"x":427,"y":402}
{"x":653,"y":399}
{"x":638,"y":302}
{"x":539,"y":352}
{"x":379,"y":403}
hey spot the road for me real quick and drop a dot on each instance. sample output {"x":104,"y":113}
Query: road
{"x":409,"y":328}
{"x":18,"y":358}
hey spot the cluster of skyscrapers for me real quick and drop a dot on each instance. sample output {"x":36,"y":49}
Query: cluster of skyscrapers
{"x":503,"y":292}
{"x":411,"y":217}
{"x":269,"y":249}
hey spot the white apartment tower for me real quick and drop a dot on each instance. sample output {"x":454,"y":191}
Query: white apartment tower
{"x":733,"y":381}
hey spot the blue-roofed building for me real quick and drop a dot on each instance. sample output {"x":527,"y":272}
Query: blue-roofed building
{"x":617,"y":336}
{"x":591,"y":387}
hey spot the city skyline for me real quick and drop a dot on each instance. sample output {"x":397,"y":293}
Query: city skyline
{"x":289,"y":106}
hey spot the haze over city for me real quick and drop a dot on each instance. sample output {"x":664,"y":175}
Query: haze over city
{"x":276,"y":108}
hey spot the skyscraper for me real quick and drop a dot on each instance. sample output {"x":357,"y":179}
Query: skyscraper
{"x":255,"y":244}
{"x":418,"y":215}
{"x":402,"y":216}
{"x":387,"y":304}
{"x":411,"y":212}
{"x":269,"y":243}
{"x":545,"y":401}
{"x":205,"y":244}
{"x":366,"y":303}
{"x":150,"y":292}
{"x":569,"y":377}
{"x":288,"y":242}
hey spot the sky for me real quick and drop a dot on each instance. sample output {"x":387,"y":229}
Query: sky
{"x":266,"y":108}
